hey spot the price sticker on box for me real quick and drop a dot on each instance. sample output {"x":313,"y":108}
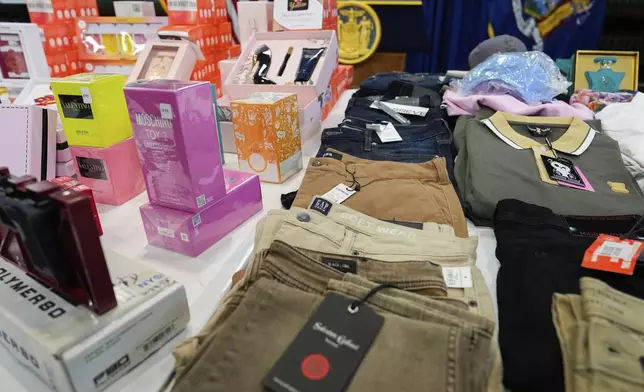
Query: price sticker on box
{"x":86,"y":94}
{"x":613,"y":254}
{"x":166,"y":111}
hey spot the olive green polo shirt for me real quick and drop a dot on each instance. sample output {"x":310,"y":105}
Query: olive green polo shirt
{"x":499,"y":158}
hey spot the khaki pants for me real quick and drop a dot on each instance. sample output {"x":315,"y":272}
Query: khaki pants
{"x":601,"y":333}
{"x":413,"y":192}
{"x":418,"y":348}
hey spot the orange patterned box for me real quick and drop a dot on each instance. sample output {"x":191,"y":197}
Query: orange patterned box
{"x":267,"y":135}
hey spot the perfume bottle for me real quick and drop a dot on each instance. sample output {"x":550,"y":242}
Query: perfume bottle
{"x":605,"y":79}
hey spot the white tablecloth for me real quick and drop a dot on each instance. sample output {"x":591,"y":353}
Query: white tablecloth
{"x":206,"y":277}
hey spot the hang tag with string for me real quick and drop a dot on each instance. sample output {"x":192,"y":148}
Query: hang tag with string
{"x":613,"y":254}
{"x":386,"y":132}
{"x":328,"y":350}
{"x":339,"y":193}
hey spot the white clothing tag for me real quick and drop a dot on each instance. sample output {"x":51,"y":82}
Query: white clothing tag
{"x":87,"y":96}
{"x":403,"y":109}
{"x":388,"y":133}
{"x":166,"y":111}
{"x":458,"y":277}
{"x":339,"y":193}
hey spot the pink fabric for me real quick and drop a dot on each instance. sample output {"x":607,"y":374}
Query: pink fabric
{"x":458,"y":105}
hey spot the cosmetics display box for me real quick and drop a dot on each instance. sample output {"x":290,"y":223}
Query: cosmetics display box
{"x":80,"y":350}
{"x":267,"y":135}
{"x":299,"y":14}
{"x":22,"y":56}
{"x":113,"y":173}
{"x":166,"y":59}
{"x":266,"y":54}
{"x":92,"y":109}
{"x":10,"y":90}
{"x":191,"y":234}
{"x":176,"y":135}
{"x":28,"y":143}
{"x":254,"y":17}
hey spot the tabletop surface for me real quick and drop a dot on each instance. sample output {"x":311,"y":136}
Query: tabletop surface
{"x":206,"y":277}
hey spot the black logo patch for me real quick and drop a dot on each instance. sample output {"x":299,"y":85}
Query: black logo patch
{"x":298,"y":5}
{"x":92,"y":168}
{"x":344,"y":266}
{"x":321,"y":205}
{"x":331,"y":154}
{"x":74,"y":107}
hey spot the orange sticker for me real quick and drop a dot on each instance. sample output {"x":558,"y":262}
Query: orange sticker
{"x":612,"y":254}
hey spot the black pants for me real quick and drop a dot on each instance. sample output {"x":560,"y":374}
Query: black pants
{"x":539,"y":257}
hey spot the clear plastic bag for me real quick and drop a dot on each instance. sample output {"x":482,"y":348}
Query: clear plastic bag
{"x":532,"y":77}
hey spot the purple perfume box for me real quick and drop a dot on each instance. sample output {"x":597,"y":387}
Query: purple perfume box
{"x":176,"y":136}
{"x":191,"y":234}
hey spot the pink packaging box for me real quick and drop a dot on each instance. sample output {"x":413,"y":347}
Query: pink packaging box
{"x":239,"y":84}
{"x":191,"y":234}
{"x":113,"y":173}
{"x":176,"y":135}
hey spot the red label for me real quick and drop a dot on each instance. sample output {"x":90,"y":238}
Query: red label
{"x":612,"y":254}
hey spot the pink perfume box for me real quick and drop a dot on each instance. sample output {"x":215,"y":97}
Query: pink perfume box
{"x":239,"y":84}
{"x":176,"y":135}
{"x":113,"y":173}
{"x":191,"y":234}
{"x":166,"y":59}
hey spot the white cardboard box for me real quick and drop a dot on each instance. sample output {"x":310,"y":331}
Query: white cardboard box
{"x":254,"y":17}
{"x":72,"y":349}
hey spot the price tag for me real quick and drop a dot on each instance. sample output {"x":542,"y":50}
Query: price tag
{"x":612,"y":254}
{"x":388,"y":133}
{"x":87,"y":96}
{"x":166,"y":111}
{"x":403,"y":109}
{"x":457,"y":277}
{"x":165,"y":232}
{"x":339,"y":193}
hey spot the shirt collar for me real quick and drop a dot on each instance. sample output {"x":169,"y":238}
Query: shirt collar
{"x":574,"y":141}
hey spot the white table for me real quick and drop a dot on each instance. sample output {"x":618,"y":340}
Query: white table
{"x":206,"y":277}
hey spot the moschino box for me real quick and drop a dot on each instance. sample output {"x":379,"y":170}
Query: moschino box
{"x":75,"y":350}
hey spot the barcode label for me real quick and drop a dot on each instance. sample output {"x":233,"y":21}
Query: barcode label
{"x":40,"y":6}
{"x":153,"y":342}
{"x":182,"y":5}
{"x":165,"y":232}
{"x":196,"y":220}
{"x":201,"y":201}
{"x":457,"y":277}
{"x":616,"y":250}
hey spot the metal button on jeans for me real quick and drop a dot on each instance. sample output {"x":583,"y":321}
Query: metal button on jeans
{"x":303,"y":217}
{"x":472,"y":303}
{"x":317,"y":163}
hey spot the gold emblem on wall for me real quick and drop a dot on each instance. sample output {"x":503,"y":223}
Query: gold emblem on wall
{"x":359,"y":32}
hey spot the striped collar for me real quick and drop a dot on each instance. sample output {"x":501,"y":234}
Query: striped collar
{"x":574,"y":141}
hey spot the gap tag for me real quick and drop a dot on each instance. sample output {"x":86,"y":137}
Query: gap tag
{"x":403,"y":109}
{"x":344,"y":266}
{"x":321,"y":205}
{"x":328,"y":350}
{"x":561,"y":169}
{"x":388,"y":133}
{"x":458,"y":277}
{"x":612,"y":254}
{"x":339,"y":194}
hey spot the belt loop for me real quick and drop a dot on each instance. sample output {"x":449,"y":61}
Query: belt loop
{"x":441,"y":169}
{"x":367,"y":139}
